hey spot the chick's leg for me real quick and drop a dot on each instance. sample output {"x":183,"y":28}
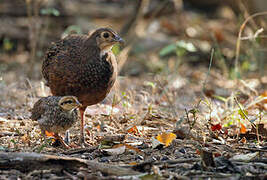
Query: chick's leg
{"x":44,"y":135}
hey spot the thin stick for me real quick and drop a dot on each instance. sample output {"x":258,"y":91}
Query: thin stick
{"x":237,"y":51}
{"x":241,"y":109}
{"x":251,"y":149}
{"x":208,"y":73}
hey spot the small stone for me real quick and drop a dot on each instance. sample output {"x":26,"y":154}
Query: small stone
{"x":182,"y":150}
{"x":103,"y":160}
{"x":165,"y":158}
{"x":139,"y":157}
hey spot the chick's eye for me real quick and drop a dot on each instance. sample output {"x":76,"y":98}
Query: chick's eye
{"x":67,"y":102}
{"x":106,"y":35}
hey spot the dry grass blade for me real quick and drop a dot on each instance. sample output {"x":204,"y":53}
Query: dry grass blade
{"x":238,"y":42}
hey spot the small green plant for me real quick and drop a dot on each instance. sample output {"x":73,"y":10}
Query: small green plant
{"x":15,"y":143}
{"x":50,"y":11}
{"x":194,"y":112}
{"x":72,"y":29}
{"x":7,"y":44}
{"x":180,"y":48}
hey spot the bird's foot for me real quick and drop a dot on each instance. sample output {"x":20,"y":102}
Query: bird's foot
{"x":83,"y":143}
{"x":62,"y":142}
{"x":65,"y":145}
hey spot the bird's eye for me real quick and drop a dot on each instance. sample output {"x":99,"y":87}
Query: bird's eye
{"x":106,"y":35}
{"x":68,"y":102}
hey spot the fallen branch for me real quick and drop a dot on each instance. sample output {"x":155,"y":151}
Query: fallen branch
{"x":27,"y":162}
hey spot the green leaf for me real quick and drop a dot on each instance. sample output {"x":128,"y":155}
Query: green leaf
{"x":228,"y":124}
{"x":168,"y":50}
{"x":7,"y":44}
{"x":242,"y":114}
{"x":116,"y":49}
{"x":180,"y":48}
{"x":50,"y":11}
{"x":126,"y":104}
{"x":220,"y":98}
{"x":151,"y":177}
{"x":193,"y":111}
{"x":13,"y":141}
{"x":180,"y":52}
{"x":234,"y":74}
{"x":188,"y":46}
{"x":149,"y":83}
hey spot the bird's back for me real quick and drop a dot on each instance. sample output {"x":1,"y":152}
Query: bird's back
{"x":72,"y":66}
{"x":43,"y":105}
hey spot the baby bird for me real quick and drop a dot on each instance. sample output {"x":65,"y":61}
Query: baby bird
{"x":82,"y":66}
{"x":56,"y":114}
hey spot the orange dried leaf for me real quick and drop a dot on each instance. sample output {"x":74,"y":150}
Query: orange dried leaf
{"x":215,"y":127}
{"x":198,"y":151}
{"x":243,"y":140}
{"x":133,"y":163}
{"x":25,"y":139}
{"x":218,"y":35}
{"x":243,"y":129}
{"x":117,"y":145}
{"x":166,"y":138}
{"x":264,"y":94}
{"x":133,"y":148}
{"x":49,"y":134}
{"x":133,"y":130}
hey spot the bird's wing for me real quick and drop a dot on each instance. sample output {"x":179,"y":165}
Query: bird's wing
{"x":63,"y":54}
{"x":38,"y":109}
{"x":69,"y":66}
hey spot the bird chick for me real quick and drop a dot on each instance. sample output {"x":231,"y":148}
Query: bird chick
{"x":56,"y":114}
{"x":82,"y":66}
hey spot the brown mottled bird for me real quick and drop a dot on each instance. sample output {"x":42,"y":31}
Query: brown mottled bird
{"x":82,"y":66}
{"x":56,"y":114}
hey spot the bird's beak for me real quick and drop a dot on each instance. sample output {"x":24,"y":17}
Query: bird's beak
{"x":118,"y":39}
{"x":79,"y":104}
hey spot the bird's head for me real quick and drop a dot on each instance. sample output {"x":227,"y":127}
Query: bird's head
{"x":106,"y":38}
{"x":69,"y":103}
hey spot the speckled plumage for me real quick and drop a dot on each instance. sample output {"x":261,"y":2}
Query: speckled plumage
{"x":72,"y":66}
{"x":51,"y":117}
{"x":82,"y":66}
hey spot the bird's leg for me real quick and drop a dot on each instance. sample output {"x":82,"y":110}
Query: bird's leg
{"x":82,"y":141}
{"x":82,"y":126}
{"x":61,"y":141}
{"x":43,"y":134}
{"x":67,"y":137}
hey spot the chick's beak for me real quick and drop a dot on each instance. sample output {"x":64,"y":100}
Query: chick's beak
{"x":118,"y":39}
{"x":79,"y":104}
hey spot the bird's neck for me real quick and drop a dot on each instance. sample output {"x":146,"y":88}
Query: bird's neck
{"x":104,"y":51}
{"x":95,"y":50}
{"x":70,"y":112}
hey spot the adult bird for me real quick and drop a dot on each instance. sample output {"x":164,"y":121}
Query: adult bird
{"x":82,"y":66}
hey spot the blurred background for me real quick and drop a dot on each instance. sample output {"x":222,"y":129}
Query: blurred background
{"x":159,"y":33}
{"x":164,"y":38}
